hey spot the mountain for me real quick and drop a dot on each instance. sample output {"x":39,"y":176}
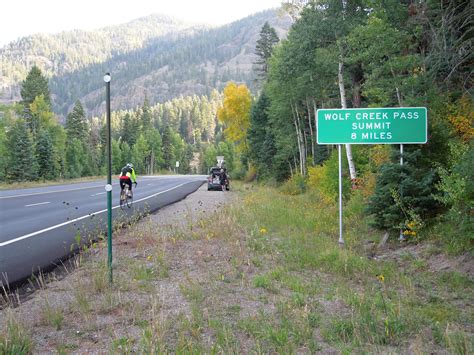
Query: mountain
{"x":155,"y":56}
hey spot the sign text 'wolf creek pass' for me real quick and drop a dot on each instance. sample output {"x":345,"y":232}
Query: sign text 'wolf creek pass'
{"x":400,"y":125}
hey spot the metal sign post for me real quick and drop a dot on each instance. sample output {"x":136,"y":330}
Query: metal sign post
{"x":339,"y":152}
{"x":401,"y":237}
{"x":108,"y":187}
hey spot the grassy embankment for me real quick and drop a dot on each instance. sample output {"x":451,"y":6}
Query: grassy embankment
{"x":264,"y":275}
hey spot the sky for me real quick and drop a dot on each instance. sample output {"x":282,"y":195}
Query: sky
{"x":25,"y":17}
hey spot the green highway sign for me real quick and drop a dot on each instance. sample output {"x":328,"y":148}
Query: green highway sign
{"x":400,"y":125}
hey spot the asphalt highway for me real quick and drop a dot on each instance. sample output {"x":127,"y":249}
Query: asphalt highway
{"x":40,"y":226}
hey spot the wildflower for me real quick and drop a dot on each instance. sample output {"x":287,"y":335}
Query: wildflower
{"x":263,"y":231}
{"x":380,"y":277}
{"x":148,"y":257}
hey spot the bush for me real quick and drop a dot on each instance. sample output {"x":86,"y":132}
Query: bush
{"x":296,"y":185}
{"x":404,"y":195}
{"x":251,"y":174}
{"x":324,"y":178}
{"x":456,"y":188}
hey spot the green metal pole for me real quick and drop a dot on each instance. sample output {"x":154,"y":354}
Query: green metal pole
{"x":109,"y":177}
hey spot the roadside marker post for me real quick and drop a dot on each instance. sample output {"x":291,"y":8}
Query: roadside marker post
{"x":398,"y":125}
{"x":108,"y":187}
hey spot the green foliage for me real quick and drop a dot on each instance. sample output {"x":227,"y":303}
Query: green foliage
{"x":209,"y":159}
{"x":387,"y":63}
{"x":294,"y":186}
{"x":325,"y":178}
{"x":155,"y":157}
{"x":75,"y":158}
{"x":264,"y":48}
{"x":404,"y":194}
{"x":449,"y":41}
{"x":168,"y":153}
{"x":76,"y":126}
{"x":15,"y":339}
{"x":260,"y":137}
{"x":140,"y":152}
{"x":117,"y":161}
{"x":3,"y":151}
{"x":45,"y":156}
{"x":21,"y":159}
{"x":33,"y":86}
{"x":456,"y":188}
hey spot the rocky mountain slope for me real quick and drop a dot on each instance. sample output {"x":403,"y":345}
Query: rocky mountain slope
{"x":155,"y":56}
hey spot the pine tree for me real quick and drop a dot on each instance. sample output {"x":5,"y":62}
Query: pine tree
{"x":167,"y":142}
{"x":75,"y":158}
{"x":35,"y":85}
{"x":146,"y":116}
{"x":21,"y":160}
{"x":264,"y":48}
{"x":404,"y":194}
{"x":126,"y":152}
{"x":127,"y":134}
{"x":45,"y":156}
{"x":76,"y":126}
{"x":260,"y":137}
{"x":40,"y":115}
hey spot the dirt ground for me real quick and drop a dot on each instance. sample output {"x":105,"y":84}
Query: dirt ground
{"x":160,"y":272}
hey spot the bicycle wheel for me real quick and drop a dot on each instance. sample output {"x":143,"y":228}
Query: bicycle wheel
{"x":129,"y":200}
{"x":123,"y":198}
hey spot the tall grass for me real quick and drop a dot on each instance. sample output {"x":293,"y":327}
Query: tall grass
{"x":381,"y":306}
{"x":16,"y":339}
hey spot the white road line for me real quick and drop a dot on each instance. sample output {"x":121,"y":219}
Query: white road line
{"x":80,"y":218}
{"x":99,"y":193}
{"x":50,"y":192}
{"x":149,"y":184}
{"x":37,"y":204}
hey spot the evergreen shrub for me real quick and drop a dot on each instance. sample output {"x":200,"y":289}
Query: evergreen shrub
{"x":404,"y":195}
{"x":296,"y":185}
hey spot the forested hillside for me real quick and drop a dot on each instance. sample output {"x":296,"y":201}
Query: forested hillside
{"x":358,"y":54}
{"x":154,"y":56}
{"x":66,"y":52}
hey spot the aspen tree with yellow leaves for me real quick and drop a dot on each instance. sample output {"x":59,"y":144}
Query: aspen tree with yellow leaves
{"x":235,"y":114}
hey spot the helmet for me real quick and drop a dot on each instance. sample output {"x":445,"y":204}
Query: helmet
{"x":130,"y":165}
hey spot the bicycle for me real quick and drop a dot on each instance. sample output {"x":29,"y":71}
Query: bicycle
{"x":125,"y":199}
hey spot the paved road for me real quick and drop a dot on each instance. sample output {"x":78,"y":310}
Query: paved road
{"x":39,"y":226}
